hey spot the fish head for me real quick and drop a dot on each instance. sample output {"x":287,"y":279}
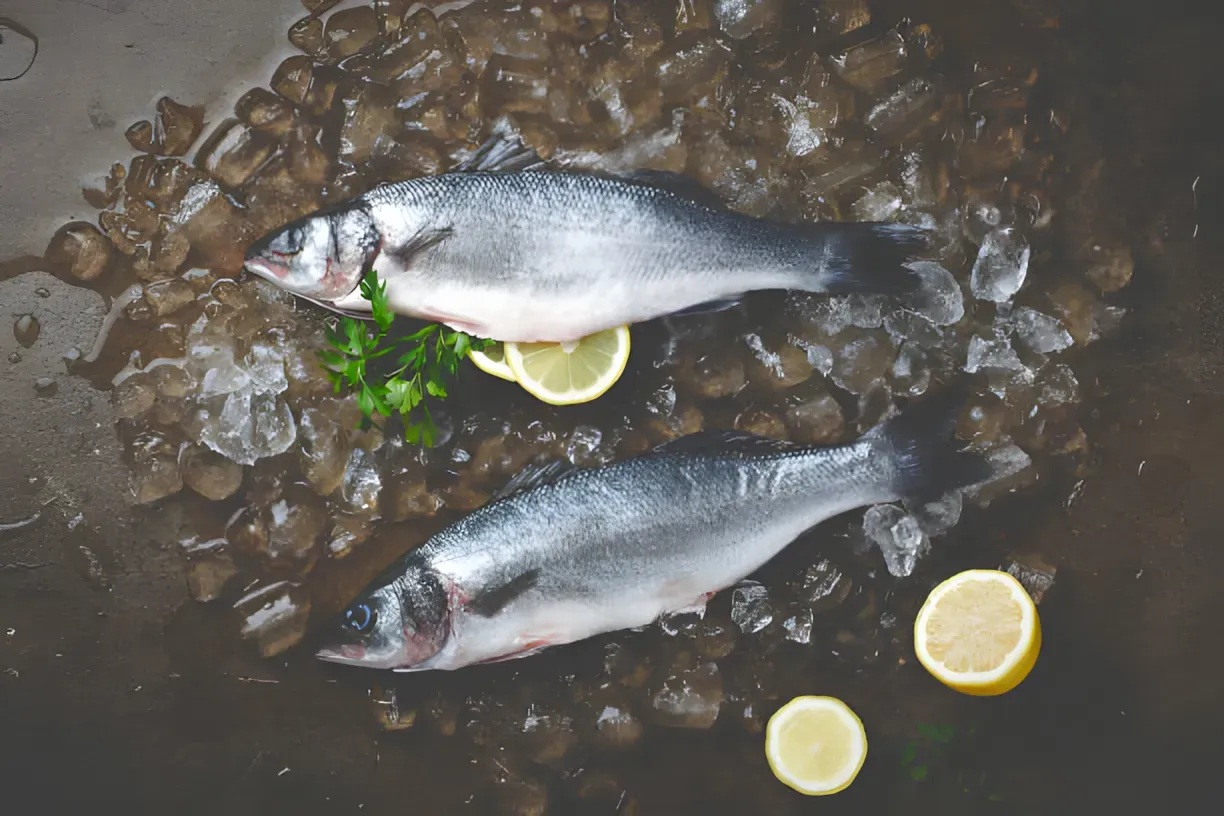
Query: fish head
{"x":396,"y":625}
{"x":321,"y":256}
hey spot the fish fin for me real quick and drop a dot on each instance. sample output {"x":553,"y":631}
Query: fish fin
{"x":869,"y":257}
{"x":489,"y":603}
{"x":678,"y":183}
{"x":710,"y":306}
{"x":423,"y":240}
{"x":502,"y":152}
{"x":340,"y":310}
{"x":535,"y":474}
{"x":927,"y":457}
{"x":726,"y":442}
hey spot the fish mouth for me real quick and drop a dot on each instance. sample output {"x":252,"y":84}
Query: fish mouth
{"x":267,"y":269}
{"x":346,"y":655}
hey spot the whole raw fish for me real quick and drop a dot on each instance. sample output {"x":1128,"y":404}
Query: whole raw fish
{"x":564,"y":553}
{"x":542,"y":255}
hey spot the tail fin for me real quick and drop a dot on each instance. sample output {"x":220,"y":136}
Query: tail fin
{"x":867,"y":258}
{"x":927,"y":458}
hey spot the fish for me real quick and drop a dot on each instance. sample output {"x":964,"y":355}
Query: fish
{"x":565,"y":553}
{"x":517,"y":250}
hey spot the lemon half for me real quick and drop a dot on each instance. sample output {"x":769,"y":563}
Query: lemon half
{"x":978,"y":632}
{"x":572,"y":372}
{"x":492,"y":360}
{"x":816,"y":745}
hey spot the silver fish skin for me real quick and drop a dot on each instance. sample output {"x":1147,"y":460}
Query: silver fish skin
{"x":548,"y":256}
{"x":569,"y":554}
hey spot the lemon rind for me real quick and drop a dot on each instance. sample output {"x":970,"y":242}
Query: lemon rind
{"x":846,"y":774}
{"x":1025,"y":651}
{"x":514,"y":359}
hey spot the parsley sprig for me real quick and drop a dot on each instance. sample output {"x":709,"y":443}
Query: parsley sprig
{"x":427,"y":360}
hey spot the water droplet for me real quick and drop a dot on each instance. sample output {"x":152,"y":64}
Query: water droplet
{"x":26,"y":330}
{"x":43,"y":292}
{"x":46,"y":386}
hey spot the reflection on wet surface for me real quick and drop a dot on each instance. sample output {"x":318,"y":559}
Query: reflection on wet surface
{"x":252,"y":484}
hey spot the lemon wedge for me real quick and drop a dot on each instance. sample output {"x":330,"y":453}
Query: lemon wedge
{"x":572,"y":372}
{"x":816,"y":745}
{"x":492,"y":360}
{"x":978,"y":633}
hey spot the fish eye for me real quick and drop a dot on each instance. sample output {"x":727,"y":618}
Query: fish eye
{"x":288,"y":243}
{"x":360,"y":618}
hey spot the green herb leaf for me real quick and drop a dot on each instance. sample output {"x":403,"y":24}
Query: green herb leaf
{"x":426,"y":359}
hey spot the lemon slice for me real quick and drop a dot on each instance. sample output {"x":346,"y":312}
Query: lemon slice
{"x":572,"y":372}
{"x":492,"y":360}
{"x":978,"y":632}
{"x":816,"y":745}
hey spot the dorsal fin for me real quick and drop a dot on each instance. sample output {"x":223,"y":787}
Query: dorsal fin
{"x":726,"y":442}
{"x":678,"y":183}
{"x":535,"y":474}
{"x":503,"y":152}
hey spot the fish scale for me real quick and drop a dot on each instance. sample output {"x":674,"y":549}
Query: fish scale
{"x":548,"y":256}
{"x":569,"y":553}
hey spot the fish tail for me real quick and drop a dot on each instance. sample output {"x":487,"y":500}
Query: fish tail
{"x":868,"y":257}
{"x":926,"y":458}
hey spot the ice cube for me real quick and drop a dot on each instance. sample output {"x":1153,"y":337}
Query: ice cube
{"x":860,"y":364}
{"x":939,"y":298}
{"x":209,"y":574}
{"x":617,"y":727}
{"x":867,"y":65}
{"x":750,"y":607}
{"x":323,"y":454}
{"x":818,"y":356}
{"x":1034,"y":573}
{"x":880,"y":203}
{"x":823,"y":586}
{"x":265,"y":365}
{"x":274,"y":616}
{"x":362,"y":483}
{"x":79,"y":249}
{"x":899,"y":537}
{"x":761,"y":423}
{"x":690,"y":698}
{"x":155,"y":475}
{"x":294,"y":526}
{"x":133,"y":396}
{"x":1058,"y":385}
{"x":743,"y":18}
{"x":911,"y":371}
{"x":1001,"y":265}
{"x":221,"y":374}
{"x":937,"y":517}
{"x":211,"y":475}
{"x":1036,"y":331}
{"x":1105,"y":320}
{"x":994,"y":353}
{"x":583,"y":444}
{"x":904,"y":108}
{"x":1007,"y":460}
{"x":249,"y":427}
{"x":799,"y":626}
{"x":781,"y":366}
{"x":817,"y":420}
